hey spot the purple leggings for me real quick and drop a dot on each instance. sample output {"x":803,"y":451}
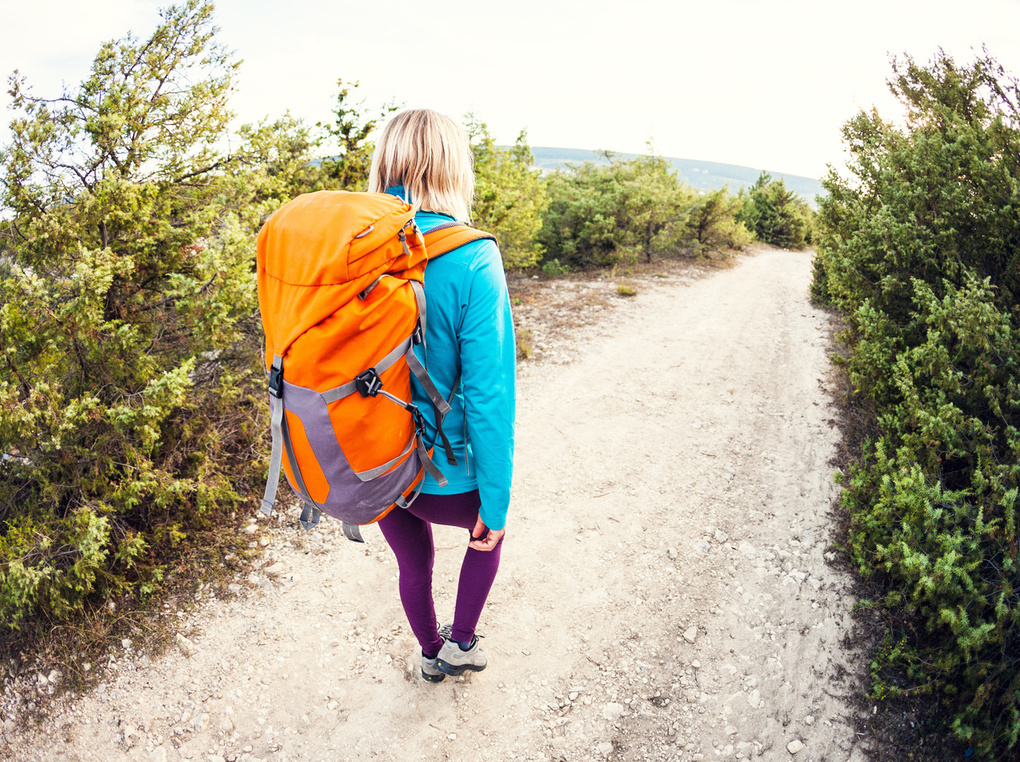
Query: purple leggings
{"x":409,"y":534}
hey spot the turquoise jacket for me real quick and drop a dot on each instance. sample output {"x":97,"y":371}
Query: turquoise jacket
{"x":470,"y":333}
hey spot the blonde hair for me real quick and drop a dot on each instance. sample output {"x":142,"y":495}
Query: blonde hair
{"x":429,"y":154}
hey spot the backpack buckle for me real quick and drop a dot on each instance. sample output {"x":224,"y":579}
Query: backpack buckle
{"x":368,"y":383}
{"x":276,"y":382}
{"x":417,"y":337}
{"x":419,"y":419}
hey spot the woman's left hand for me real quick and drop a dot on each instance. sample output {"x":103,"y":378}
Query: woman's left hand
{"x":487,"y":538}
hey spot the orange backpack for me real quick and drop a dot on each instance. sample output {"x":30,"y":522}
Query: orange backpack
{"x":340,"y":279}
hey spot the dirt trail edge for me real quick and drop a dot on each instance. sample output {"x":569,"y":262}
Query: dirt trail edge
{"x":664,"y":592}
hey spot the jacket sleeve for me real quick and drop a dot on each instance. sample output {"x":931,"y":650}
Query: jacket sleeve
{"x":488,"y":356}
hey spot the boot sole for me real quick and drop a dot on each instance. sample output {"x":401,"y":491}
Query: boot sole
{"x":454,"y":670}
{"x":432,"y":678}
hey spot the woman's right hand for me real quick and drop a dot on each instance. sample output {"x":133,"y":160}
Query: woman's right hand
{"x":487,"y":539}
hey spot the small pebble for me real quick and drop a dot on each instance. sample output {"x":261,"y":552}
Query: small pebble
{"x":612,"y":711}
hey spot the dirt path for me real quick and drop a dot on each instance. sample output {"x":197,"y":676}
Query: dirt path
{"x":663,"y":594}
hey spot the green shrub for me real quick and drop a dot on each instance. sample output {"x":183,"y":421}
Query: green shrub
{"x":713,"y":222}
{"x":934,"y":505}
{"x":127,"y":321}
{"x":602,"y":214}
{"x":583,"y":224}
{"x":346,"y":138}
{"x":820,"y":282}
{"x":510,"y":196}
{"x":919,"y":248}
{"x":554,"y":268}
{"x":934,"y":201}
{"x":775,"y":215}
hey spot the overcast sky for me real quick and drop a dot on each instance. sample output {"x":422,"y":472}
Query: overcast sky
{"x":761,"y":83}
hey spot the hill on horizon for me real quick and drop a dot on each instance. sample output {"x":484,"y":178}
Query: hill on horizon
{"x":700,"y":175}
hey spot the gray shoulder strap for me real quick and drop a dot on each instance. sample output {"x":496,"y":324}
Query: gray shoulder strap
{"x":353,"y":532}
{"x":439,"y":403}
{"x":276,"y":429}
{"x":282,"y":443}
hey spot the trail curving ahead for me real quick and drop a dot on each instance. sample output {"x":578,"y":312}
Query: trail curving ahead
{"x":664,"y":592}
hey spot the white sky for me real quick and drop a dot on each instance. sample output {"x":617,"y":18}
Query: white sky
{"x":761,"y":83}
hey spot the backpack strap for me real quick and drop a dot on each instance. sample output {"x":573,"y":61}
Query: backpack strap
{"x":444,"y":238}
{"x":282,"y":442}
{"x":276,"y":427}
{"x":440,"y":240}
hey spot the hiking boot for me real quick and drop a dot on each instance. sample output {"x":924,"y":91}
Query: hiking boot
{"x":454,"y":660}
{"x":429,"y":672}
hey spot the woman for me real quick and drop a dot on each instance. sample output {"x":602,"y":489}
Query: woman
{"x":425,"y":158}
